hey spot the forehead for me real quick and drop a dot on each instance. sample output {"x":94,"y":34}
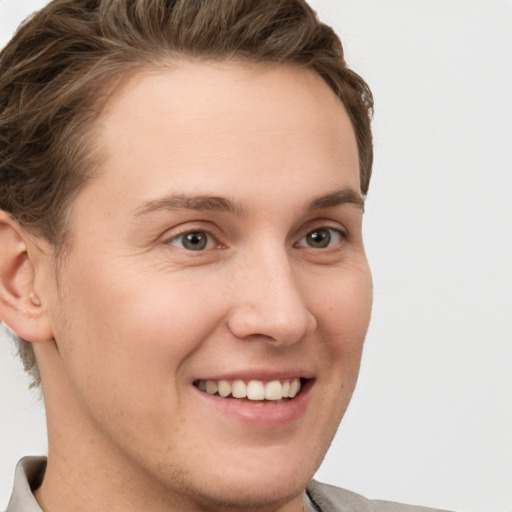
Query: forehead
{"x":203,"y":87}
{"x":220,"y":123}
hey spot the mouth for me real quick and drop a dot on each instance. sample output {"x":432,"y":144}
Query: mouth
{"x":274,"y":391}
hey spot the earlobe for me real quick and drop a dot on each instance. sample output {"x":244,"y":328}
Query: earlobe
{"x":21,"y":309}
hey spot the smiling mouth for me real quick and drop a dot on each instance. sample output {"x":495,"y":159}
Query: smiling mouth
{"x":255,"y":390}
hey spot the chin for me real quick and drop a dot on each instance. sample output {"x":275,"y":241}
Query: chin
{"x":254,"y":493}
{"x":263,"y":477}
{"x":258,"y":478}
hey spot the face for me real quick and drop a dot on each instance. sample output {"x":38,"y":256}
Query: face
{"x":217,"y":251}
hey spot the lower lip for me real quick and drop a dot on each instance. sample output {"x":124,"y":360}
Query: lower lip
{"x":262,"y":414}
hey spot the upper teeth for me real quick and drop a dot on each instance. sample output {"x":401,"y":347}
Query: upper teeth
{"x":253,"y":390}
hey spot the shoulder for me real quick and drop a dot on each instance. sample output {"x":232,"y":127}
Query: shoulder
{"x":328,"y":498}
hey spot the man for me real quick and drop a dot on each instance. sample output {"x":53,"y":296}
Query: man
{"x":182,"y":189}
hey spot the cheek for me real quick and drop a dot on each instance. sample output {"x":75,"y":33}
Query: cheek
{"x":344,"y":309}
{"x":157,"y":320}
{"x":124,"y":340}
{"x":343,"y":317}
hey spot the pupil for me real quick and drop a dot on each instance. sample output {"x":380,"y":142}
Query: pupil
{"x":195,"y":241}
{"x":319,"y":238}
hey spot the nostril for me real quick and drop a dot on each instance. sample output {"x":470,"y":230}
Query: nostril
{"x":277,"y":325}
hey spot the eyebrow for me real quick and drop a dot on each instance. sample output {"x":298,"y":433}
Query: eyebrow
{"x":192,"y":202}
{"x":227,"y":205}
{"x":336,"y":198}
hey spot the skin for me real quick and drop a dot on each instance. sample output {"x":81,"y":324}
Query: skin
{"x":136,"y":317}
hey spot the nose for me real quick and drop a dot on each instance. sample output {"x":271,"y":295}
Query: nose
{"x":268,"y":303}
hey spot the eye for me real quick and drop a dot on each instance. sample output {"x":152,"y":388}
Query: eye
{"x":193,"y":241}
{"x":321,"y":238}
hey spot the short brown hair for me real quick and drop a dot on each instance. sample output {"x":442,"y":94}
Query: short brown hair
{"x":63,"y":62}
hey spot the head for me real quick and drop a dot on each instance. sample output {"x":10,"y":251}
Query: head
{"x":64,"y":63}
{"x":219,"y":104}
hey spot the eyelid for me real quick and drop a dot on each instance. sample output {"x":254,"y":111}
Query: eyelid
{"x":210,"y":242}
{"x":193,"y":227}
{"x":338,"y":229}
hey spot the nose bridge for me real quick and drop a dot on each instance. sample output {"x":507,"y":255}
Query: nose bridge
{"x":269,"y":303}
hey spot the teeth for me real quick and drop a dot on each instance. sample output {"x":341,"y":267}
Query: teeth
{"x":211,"y":387}
{"x":294,"y":387}
{"x":286,"y":388}
{"x":224,"y":388}
{"x":239,"y":389}
{"x":273,"y":390}
{"x":254,"y":390}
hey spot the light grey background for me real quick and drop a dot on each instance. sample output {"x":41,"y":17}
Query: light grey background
{"x":431,"y":420}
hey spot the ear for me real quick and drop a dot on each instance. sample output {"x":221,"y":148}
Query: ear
{"x":21,"y":309}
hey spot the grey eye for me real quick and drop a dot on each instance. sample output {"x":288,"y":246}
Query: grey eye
{"x":321,"y":238}
{"x":193,"y":241}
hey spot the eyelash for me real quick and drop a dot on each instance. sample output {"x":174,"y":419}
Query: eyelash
{"x":340,"y":235}
{"x":204,"y":240}
{"x":209,"y":240}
